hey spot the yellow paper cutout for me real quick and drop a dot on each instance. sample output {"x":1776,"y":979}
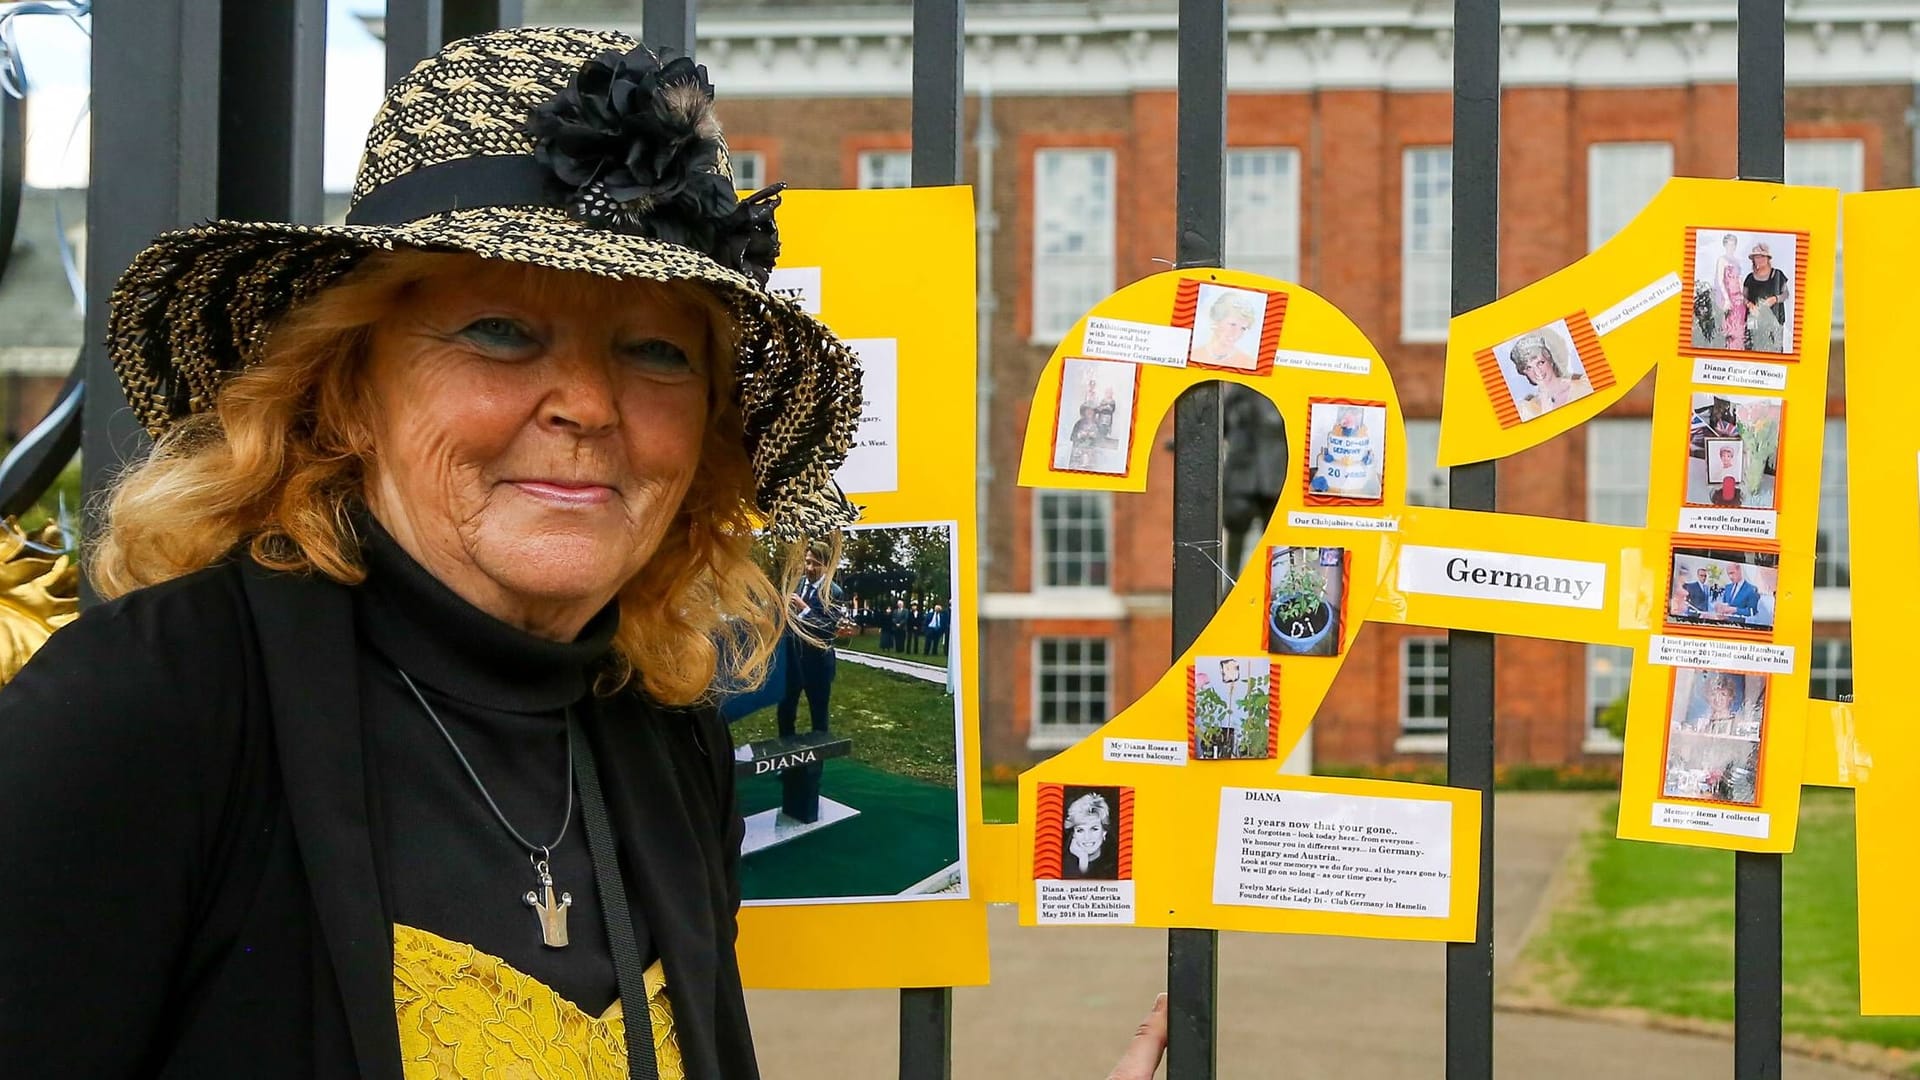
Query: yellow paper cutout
{"x":1175,"y":811}
{"x":927,"y":305}
{"x":1883,"y":447}
{"x":1654,"y":245}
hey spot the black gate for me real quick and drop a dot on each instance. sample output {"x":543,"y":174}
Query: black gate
{"x":213,"y":108}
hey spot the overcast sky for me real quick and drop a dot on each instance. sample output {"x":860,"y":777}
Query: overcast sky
{"x":56,"y":57}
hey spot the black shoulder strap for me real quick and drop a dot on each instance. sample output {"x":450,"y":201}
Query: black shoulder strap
{"x":628,"y":967}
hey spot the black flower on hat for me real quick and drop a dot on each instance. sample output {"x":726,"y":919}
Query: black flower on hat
{"x":634,"y":146}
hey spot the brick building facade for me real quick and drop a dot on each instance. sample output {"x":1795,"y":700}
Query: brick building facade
{"x":1338,"y":131}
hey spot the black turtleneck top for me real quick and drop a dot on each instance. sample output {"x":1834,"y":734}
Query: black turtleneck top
{"x":502,"y":693}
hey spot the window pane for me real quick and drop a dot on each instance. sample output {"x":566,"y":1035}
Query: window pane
{"x":1073,"y":263}
{"x":1427,"y":482}
{"x":749,"y":169}
{"x":1617,"y":469}
{"x":1622,"y":178}
{"x":1263,"y":211}
{"x":1426,"y":241}
{"x":886,"y":169}
{"x":1072,"y":539}
{"x":1830,"y":554}
{"x":1423,"y":684}
{"x":1834,"y":163}
{"x":1070,"y":684}
{"x":1832,"y":675}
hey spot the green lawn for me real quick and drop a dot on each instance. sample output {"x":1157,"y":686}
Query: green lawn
{"x":898,"y":723}
{"x":999,"y":803}
{"x":868,"y":641}
{"x":1651,"y":927}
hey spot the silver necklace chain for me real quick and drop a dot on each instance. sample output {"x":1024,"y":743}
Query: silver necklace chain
{"x":539,"y":852}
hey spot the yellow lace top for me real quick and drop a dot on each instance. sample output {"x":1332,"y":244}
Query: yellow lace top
{"x":465,"y":1013}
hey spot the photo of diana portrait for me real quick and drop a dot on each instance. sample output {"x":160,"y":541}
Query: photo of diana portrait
{"x":1543,"y":370}
{"x":1227,"y":328}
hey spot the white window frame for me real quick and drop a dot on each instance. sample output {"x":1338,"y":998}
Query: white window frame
{"x":749,"y":169}
{"x":1622,"y":177}
{"x":1423,"y":433}
{"x":1426,"y":739}
{"x":1277,"y":254}
{"x":1633,"y":480}
{"x":874,"y":163}
{"x":1099,"y":263}
{"x":1043,"y":552}
{"x":1426,"y":265}
{"x":1823,"y":661}
{"x":1844,"y":168}
{"x":1599,"y":740}
{"x":1059,"y":736}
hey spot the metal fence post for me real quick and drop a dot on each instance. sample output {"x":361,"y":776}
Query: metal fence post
{"x":272,"y":109}
{"x":926,"y":1013}
{"x":669,"y":24}
{"x":1762,"y":79}
{"x":465,"y":18}
{"x":155,"y":145}
{"x":1470,"y":744}
{"x":1193,"y":956}
{"x":414,"y":31}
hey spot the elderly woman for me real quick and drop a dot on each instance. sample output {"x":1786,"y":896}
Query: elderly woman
{"x":1537,"y":359}
{"x":395,"y":753}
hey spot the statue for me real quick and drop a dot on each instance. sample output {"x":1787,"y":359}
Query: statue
{"x":39,"y":592}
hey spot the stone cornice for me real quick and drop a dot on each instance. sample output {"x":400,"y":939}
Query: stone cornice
{"x":1302,"y":45}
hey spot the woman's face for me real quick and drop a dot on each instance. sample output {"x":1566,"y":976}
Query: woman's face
{"x":530,"y":452}
{"x":1538,"y":367}
{"x":1087,"y":838}
{"x":1230,"y":327}
{"x":1720,"y":699}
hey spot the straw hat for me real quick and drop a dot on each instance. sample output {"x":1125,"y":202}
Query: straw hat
{"x":568,"y":149}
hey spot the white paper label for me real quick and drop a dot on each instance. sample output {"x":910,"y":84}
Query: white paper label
{"x":1306,"y":519}
{"x":1744,"y":376}
{"x":1083,"y":902}
{"x":1749,"y":823}
{"x":1496,"y":575}
{"x":1314,"y":361}
{"x":1705,"y":520}
{"x":1140,"y":343}
{"x":1669,"y":651}
{"x":1637,"y":305}
{"x":1146,"y":751}
{"x":873,"y":463}
{"x":800,"y":284}
{"x":1317,"y":851}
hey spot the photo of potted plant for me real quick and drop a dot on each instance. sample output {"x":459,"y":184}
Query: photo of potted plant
{"x":1303,"y":601}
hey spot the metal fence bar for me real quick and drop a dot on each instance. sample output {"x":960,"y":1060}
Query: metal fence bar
{"x":939,"y":105}
{"x":1193,"y":956}
{"x":465,"y":18}
{"x":414,"y":30}
{"x":1762,"y":106}
{"x":668,"y":24}
{"x":156,"y":117}
{"x":273,"y":82}
{"x":1470,"y":742}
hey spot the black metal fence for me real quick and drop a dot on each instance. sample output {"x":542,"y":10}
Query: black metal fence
{"x":214,"y":108}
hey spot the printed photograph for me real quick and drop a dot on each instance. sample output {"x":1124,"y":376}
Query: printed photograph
{"x":1543,"y":369}
{"x":1723,"y":590}
{"x":1083,"y":833}
{"x":1714,"y":730}
{"x":1733,"y":451}
{"x":1306,"y":601}
{"x":1743,"y":291}
{"x":1232,"y":710}
{"x":1093,"y":431}
{"x":1227,"y":328}
{"x":1348,"y":459}
{"x":848,"y":754}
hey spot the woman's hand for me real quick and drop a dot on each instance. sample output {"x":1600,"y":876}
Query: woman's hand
{"x":1149,"y":1045}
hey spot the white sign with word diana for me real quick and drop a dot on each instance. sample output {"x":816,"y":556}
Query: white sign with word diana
{"x":1497,"y":575}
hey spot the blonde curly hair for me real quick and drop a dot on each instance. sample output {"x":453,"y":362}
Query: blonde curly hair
{"x":278,"y":467}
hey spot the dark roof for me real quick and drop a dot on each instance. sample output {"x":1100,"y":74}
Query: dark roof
{"x":36,"y":304}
